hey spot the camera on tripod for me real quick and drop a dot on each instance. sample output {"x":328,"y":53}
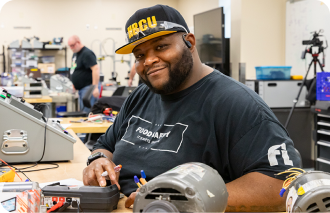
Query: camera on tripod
{"x":310,"y":84}
{"x":314,"y":42}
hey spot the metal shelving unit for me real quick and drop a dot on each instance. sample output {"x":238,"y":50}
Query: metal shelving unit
{"x":10,"y":50}
{"x":322,"y":141}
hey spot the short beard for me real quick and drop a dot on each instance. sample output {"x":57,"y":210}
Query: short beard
{"x":178,"y":73}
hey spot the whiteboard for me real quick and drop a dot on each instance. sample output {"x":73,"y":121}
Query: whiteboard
{"x":303,"y":17}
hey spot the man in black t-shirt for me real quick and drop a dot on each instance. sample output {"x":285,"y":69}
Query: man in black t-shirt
{"x":84,"y":71}
{"x":189,"y":112}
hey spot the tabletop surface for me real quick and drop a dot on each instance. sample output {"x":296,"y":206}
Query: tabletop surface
{"x":85,"y":127}
{"x":44,"y":99}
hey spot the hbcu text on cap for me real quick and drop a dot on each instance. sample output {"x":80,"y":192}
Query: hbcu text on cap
{"x":134,"y":28}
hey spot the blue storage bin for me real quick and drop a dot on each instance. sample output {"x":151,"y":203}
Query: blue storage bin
{"x":60,"y":108}
{"x":273,"y":72}
{"x":323,"y":86}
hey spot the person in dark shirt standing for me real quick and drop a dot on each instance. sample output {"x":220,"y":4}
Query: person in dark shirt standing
{"x":188,"y":112}
{"x":84,"y":71}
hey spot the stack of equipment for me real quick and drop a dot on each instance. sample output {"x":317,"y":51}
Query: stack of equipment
{"x":27,"y":137}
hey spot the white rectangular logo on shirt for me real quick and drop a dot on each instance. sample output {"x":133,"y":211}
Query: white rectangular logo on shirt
{"x":158,"y":137}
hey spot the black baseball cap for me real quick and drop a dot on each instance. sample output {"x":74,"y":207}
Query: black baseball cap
{"x":149,"y":23}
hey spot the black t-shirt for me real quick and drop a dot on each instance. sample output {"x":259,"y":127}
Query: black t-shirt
{"x":81,"y":73}
{"x":217,"y":121}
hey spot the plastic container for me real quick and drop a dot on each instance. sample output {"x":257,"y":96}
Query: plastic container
{"x":323,"y":86}
{"x":273,"y":72}
{"x":48,"y":59}
{"x":60,"y":108}
{"x":6,"y":79}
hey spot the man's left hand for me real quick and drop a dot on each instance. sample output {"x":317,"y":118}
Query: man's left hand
{"x":96,"y":92}
{"x":131,"y":198}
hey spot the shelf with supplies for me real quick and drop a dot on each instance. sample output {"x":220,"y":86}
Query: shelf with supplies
{"x":322,"y":142}
{"x":34,"y":62}
{"x":18,"y":54}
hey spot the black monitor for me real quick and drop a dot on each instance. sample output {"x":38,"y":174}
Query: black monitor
{"x":210,"y":36}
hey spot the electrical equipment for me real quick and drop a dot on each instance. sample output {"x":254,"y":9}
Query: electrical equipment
{"x":34,"y":88}
{"x":190,"y":187}
{"x":26,"y":137}
{"x":309,"y":192}
{"x":26,"y":44}
{"x":58,"y":40}
{"x":86,"y":198}
{"x":279,"y":94}
{"x":14,"y":44}
{"x":20,"y":104}
{"x":10,"y":190}
{"x":23,"y":196}
{"x":37,"y":44}
{"x":59,"y":83}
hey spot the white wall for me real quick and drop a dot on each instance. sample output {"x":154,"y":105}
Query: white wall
{"x":263,"y":34}
{"x":57,"y":18}
{"x":63,"y":18}
{"x":304,"y":17}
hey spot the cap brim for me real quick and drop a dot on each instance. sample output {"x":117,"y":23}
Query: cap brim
{"x":128,"y":48}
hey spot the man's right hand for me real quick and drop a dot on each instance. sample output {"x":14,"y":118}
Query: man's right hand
{"x":92,"y":173}
{"x":130,"y":81}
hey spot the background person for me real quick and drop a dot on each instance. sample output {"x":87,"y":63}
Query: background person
{"x":84,"y":71}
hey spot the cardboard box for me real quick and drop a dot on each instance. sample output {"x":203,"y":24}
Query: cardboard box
{"x":47,"y":68}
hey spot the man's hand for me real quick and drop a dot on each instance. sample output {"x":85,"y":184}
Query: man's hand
{"x":96,"y":92}
{"x":130,"y":200}
{"x":74,"y":89}
{"x":130,"y":82}
{"x":92,"y":173}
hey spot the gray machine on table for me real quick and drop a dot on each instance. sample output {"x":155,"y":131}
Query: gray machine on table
{"x":190,"y":187}
{"x":23,"y":132}
{"x":309,"y":192}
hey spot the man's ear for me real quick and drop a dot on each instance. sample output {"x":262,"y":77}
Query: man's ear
{"x":191,"y":39}
{"x":188,"y":44}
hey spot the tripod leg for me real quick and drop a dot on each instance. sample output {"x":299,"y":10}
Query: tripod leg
{"x":318,"y":61}
{"x":297,"y":98}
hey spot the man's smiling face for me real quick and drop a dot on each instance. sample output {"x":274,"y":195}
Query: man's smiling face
{"x":164,"y":63}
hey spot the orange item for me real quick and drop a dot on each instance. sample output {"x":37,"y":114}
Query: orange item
{"x":58,"y":205}
{"x":297,"y":77}
{"x":143,"y":181}
{"x":7,"y":176}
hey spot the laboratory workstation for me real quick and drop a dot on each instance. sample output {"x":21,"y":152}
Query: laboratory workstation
{"x":164,"y":106}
